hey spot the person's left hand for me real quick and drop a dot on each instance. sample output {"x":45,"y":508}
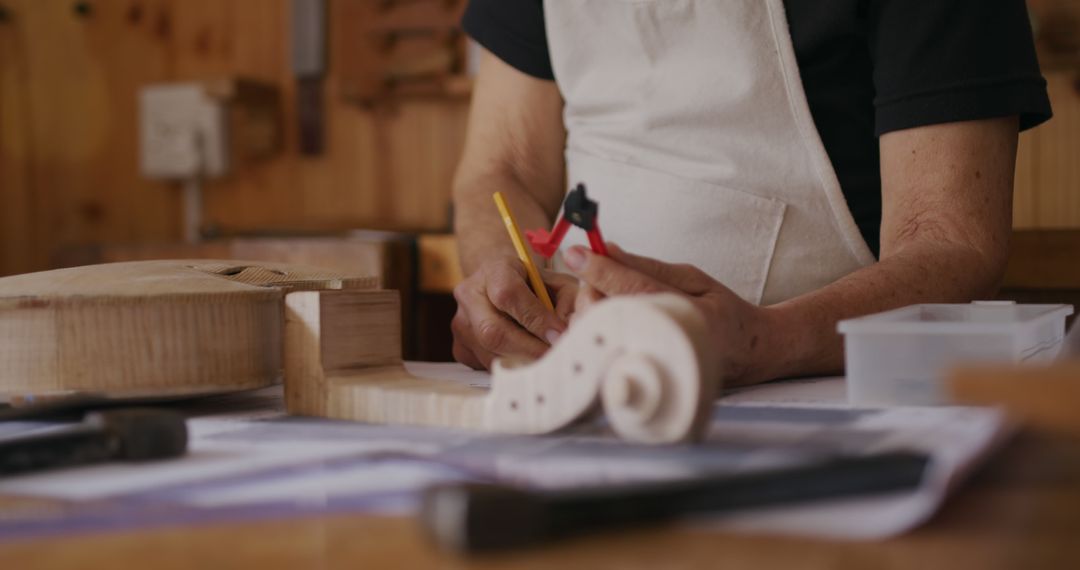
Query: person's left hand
{"x":739,"y":330}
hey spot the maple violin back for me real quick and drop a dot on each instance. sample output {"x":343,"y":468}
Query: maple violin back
{"x":149,"y":328}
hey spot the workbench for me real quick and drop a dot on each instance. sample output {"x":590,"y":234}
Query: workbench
{"x":1021,"y":511}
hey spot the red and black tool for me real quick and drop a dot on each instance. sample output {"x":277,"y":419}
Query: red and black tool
{"x":578,"y":210}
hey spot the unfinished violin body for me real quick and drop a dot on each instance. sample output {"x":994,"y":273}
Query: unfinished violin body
{"x":149,"y":328}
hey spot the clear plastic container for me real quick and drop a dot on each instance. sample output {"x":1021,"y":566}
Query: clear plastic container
{"x":900,"y":357}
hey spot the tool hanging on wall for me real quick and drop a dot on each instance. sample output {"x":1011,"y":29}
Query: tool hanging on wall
{"x":578,"y":210}
{"x":476,"y":518}
{"x":391,"y":50}
{"x":309,"y":65}
{"x":194,"y":131}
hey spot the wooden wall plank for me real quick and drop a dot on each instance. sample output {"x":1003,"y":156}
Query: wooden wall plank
{"x":16,"y":147}
{"x":68,"y":136}
{"x":129,"y":42}
{"x":1058,"y":160}
{"x":80,"y":76}
{"x":386,"y":168}
{"x":1047,"y":192}
{"x":1025,"y":208}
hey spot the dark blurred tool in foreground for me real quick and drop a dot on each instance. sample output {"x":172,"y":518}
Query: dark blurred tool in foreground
{"x":134,"y":434}
{"x":476,"y":518}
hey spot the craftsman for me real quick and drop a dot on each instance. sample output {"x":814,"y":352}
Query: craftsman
{"x":784,"y":164}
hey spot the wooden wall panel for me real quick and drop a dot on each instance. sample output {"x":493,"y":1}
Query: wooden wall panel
{"x":76,"y":79}
{"x":387,"y":168}
{"x":16,"y":200}
{"x":68,"y":132}
{"x":68,"y":137}
{"x":1048,"y":166}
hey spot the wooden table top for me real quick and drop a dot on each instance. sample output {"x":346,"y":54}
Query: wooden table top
{"x":1021,"y":511}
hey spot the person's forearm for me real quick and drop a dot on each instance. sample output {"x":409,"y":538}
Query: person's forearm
{"x":946,"y":222}
{"x":803,"y":337}
{"x":480,"y":231}
{"x":514,"y":145}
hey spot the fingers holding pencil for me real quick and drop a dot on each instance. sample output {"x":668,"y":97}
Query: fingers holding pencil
{"x":523,"y":253}
{"x":498,"y":315}
{"x":506,"y":307}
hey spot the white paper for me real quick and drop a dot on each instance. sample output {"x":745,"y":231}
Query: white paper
{"x":248,"y":459}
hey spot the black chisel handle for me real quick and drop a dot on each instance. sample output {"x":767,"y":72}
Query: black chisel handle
{"x":479,"y":517}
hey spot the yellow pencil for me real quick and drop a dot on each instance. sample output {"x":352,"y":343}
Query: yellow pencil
{"x":523,"y":253}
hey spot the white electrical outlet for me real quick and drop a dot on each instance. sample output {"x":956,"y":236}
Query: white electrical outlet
{"x":182,"y":132}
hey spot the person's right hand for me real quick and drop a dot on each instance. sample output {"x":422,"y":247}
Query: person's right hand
{"x":499,"y":315}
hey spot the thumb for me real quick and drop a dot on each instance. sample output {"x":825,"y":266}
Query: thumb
{"x":685,"y":278}
{"x":609,"y":276}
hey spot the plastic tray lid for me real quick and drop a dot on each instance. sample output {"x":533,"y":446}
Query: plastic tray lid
{"x":979,"y":317}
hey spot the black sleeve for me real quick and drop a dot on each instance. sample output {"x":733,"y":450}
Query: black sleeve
{"x":938,"y":61}
{"x":513,"y":30}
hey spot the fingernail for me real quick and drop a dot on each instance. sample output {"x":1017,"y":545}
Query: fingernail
{"x":575,"y":257}
{"x":552,"y":336}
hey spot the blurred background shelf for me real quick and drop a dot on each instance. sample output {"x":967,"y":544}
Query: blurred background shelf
{"x":394,"y":98}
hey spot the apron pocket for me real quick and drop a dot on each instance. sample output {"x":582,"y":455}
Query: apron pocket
{"x":729,"y":234}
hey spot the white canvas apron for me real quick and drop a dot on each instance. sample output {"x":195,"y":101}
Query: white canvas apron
{"x":688,"y":122}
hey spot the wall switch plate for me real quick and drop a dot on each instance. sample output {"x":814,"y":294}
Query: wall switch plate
{"x":183,"y":132}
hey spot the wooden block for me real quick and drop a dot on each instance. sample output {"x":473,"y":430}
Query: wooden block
{"x":388,"y":256}
{"x":343,"y":360}
{"x":644,"y":358}
{"x":440,"y":269}
{"x":151,"y":328}
{"x":1042,"y":398}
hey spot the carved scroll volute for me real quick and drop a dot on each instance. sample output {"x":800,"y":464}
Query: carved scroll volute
{"x":644,"y":356}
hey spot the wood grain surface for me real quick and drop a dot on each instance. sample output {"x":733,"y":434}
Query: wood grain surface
{"x":150,"y":328}
{"x":69,"y":139}
{"x":1047,"y":169}
{"x":645,"y":358}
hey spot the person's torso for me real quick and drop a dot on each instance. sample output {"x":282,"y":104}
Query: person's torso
{"x":687,"y":118}
{"x":832,"y":48}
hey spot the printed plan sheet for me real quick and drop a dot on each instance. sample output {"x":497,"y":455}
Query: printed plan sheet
{"x":248,"y":460}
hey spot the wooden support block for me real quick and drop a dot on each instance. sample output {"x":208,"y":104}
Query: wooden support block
{"x":440,"y":269}
{"x":644,"y":358}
